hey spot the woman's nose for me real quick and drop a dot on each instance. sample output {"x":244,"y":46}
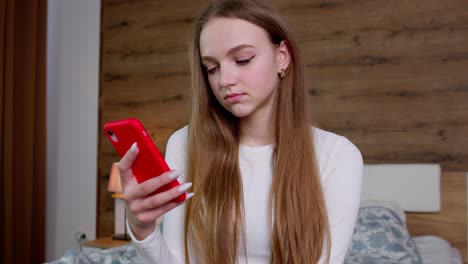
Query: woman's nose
{"x":227,"y":77}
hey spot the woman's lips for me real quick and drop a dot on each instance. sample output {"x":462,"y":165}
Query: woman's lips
{"x":234,"y":97}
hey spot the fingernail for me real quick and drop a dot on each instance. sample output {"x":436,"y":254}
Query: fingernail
{"x":185,"y":186}
{"x":188,"y":196}
{"x":133,"y":147}
{"x":174,"y":174}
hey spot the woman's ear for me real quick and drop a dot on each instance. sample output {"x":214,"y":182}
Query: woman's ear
{"x":283,"y":56}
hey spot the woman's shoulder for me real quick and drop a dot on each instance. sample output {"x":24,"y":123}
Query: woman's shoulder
{"x":180,"y":136}
{"x":176,"y":149}
{"x":332,"y":149}
{"x":326,"y":141}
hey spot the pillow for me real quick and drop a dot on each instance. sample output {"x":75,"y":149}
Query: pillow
{"x":380,"y":236}
{"x":391,"y":205}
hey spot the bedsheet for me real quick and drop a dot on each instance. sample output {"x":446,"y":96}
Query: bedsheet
{"x":436,"y":250}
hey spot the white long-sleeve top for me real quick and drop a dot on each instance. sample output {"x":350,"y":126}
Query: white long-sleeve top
{"x":340,"y":166}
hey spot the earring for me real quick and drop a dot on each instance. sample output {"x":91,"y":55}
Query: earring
{"x":282,"y":73}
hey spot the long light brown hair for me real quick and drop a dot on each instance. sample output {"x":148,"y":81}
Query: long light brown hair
{"x":214,"y":221}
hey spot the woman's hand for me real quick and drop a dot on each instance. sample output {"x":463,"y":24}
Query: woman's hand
{"x":142,"y":209}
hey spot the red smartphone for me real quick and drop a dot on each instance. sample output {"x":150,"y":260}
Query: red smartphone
{"x":149,"y":162}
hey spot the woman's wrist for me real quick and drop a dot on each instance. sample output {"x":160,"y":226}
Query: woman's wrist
{"x":141,"y":232}
{"x":139,"y":229}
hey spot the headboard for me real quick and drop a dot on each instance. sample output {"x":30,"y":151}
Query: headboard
{"x":441,"y":211}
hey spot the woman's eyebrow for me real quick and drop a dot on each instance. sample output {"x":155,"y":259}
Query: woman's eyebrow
{"x":230,"y":51}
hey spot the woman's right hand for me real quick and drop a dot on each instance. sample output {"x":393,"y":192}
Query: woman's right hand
{"x":142,"y":209}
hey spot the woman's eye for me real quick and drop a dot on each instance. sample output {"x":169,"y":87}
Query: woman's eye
{"x":211,"y":70}
{"x":244,"y":62}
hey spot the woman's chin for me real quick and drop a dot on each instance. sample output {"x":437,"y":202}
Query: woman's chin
{"x":239,"y":113}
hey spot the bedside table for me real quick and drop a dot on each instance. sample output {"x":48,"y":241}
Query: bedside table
{"x":105,"y":242}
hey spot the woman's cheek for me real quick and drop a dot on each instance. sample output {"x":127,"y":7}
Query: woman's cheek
{"x":215,"y":90}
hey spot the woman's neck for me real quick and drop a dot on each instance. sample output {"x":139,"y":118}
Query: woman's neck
{"x":257,"y":129}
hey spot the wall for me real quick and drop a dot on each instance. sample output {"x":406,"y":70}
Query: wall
{"x":72,"y":120}
{"x":389,"y":75}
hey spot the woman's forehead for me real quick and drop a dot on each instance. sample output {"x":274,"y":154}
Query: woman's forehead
{"x":219,"y":35}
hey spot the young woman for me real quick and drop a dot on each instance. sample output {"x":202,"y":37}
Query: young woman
{"x":267,"y":186}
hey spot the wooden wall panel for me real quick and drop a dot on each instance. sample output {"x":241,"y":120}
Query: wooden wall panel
{"x":392,"y":76}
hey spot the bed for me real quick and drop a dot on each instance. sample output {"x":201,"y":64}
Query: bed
{"x":428,"y":203}
{"x":411,"y":213}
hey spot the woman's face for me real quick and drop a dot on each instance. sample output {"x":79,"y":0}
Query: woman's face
{"x":242,"y":65}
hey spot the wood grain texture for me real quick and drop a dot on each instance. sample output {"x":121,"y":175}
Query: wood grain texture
{"x":451,"y":222}
{"x":105,"y":242}
{"x":392,"y":76}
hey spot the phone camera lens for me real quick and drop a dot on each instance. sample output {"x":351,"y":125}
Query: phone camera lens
{"x":110,"y":133}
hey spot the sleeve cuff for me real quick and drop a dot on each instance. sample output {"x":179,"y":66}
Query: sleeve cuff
{"x":156,"y":235}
